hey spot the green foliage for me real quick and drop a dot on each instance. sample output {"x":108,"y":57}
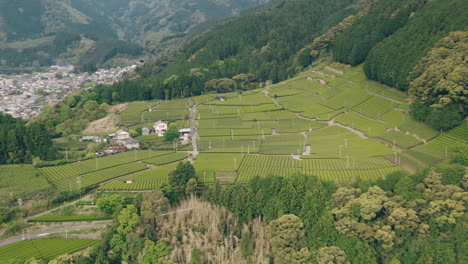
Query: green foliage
{"x":452,"y":174}
{"x":460,"y":154}
{"x":288,"y":240}
{"x":109,"y":204}
{"x":196,"y":256}
{"x":171,"y":134}
{"x":155,"y":253}
{"x":391,"y":60}
{"x":128,"y":219}
{"x":439,"y":77}
{"x":246,"y":245}
{"x":179,"y":178}
{"x":272,"y":197}
{"x":20,"y":143}
{"x":382,"y":20}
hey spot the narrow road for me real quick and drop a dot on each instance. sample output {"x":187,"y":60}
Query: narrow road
{"x":193,"y":129}
{"x":383,"y":97}
{"x":41,"y":234}
{"x":44,"y":233}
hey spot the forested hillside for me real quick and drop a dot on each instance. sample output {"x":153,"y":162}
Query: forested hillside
{"x":20,"y":143}
{"x":236,"y":54}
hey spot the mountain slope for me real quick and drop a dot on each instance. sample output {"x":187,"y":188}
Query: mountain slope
{"x":34,"y":24}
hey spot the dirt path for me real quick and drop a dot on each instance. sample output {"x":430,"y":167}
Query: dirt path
{"x":59,"y":207}
{"x":383,"y":97}
{"x":355,"y":131}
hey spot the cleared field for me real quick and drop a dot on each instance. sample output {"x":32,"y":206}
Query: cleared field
{"x":88,"y":179}
{"x":369,"y":126}
{"x":146,"y":180}
{"x":326,"y":169}
{"x":330,"y":141}
{"x":443,"y":144}
{"x":45,"y":249}
{"x":68,"y":218}
{"x":21,"y":179}
{"x":208,"y":164}
{"x":82,"y":167}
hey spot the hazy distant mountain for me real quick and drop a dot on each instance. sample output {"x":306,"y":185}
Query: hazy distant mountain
{"x":35,"y":33}
{"x":128,"y":19}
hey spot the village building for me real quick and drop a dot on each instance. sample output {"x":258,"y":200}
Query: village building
{"x":160,"y":128}
{"x":122,"y":135}
{"x":97,"y":139}
{"x":114,"y":149}
{"x":185,"y":135}
{"x":130,"y":143}
{"x":221,"y":98}
{"x":145,"y":131}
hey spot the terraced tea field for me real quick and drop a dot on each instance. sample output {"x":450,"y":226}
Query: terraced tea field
{"x":45,"y":249}
{"x":207,"y":164}
{"x":328,"y":121}
{"x":326,"y":169}
{"x":444,"y":143}
{"x":146,"y":180}
{"x":21,"y":179}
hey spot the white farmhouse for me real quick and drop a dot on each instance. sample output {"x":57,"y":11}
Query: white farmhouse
{"x":122,"y":135}
{"x":185,"y":135}
{"x":160,"y":128}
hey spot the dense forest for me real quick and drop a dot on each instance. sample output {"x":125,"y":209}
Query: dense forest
{"x":21,"y":143}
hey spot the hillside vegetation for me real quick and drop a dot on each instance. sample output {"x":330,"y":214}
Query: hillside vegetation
{"x":389,"y":38}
